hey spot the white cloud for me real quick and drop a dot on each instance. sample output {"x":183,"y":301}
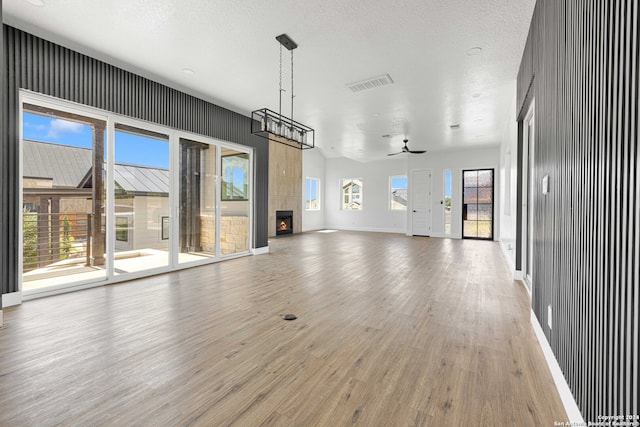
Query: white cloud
{"x":38,"y":128}
{"x":58,"y":126}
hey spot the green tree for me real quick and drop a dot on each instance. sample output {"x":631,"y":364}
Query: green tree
{"x":66,"y":239}
{"x":29,"y":240}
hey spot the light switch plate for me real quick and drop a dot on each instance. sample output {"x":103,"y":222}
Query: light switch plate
{"x":545,"y":184}
{"x":549,"y":316}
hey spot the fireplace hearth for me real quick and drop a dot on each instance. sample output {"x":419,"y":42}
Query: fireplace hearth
{"x":284,"y":222}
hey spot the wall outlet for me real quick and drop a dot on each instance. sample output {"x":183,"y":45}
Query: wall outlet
{"x":549,"y":316}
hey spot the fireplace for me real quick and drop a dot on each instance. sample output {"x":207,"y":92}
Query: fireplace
{"x":284,"y":222}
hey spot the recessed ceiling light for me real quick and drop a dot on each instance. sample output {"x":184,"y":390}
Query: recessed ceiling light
{"x":476,"y":95}
{"x":188,"y":71}
{"x":474,"y":51}
{"x":38,"y":3}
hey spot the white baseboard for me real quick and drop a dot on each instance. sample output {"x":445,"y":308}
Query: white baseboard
{"x":570,"y":406}
{"x":507,"y":252}
{"x":260,"y":251}
{"x":14,"y":298}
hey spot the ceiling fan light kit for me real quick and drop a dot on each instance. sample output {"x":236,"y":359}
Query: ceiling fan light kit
{"x":273,"y":125}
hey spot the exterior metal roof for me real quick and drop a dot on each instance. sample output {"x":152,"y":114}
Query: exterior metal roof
{"x":141,"y":179}
{"x":67,"y":166}
{"x":64,"y":164}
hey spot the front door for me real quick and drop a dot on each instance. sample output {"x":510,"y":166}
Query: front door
{"x":477,"y":204}
{"x":421,"y":202}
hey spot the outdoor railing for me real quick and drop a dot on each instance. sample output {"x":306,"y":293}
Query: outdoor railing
{"x":50,"y":238}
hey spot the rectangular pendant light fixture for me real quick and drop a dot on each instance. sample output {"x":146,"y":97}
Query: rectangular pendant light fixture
{"x":274,"y":126}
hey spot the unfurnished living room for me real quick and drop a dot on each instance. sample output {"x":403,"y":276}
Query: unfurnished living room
{"x":281,"y":213}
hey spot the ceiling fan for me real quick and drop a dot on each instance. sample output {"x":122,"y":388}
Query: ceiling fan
{"x":405,"y":149}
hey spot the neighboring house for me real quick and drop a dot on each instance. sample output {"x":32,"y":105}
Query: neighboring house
{"x":58,"y":181}
{"x":352,"y":194}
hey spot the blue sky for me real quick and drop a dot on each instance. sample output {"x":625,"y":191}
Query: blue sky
{"x":399,"y":182}
{"x":312,"y":189}
{"x":129,"y":148}
{"x":447,"y":183}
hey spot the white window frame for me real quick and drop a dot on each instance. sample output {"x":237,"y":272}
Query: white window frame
{"x":306,"y":194}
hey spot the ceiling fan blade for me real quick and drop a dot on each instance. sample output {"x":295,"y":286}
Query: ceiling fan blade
{"x":417,"y":151}
{"x":393,"y":154}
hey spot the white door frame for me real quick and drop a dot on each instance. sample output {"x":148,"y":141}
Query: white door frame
{"x":528,"y":192}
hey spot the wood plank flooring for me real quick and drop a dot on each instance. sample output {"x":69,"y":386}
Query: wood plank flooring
{"x":391,"y":331}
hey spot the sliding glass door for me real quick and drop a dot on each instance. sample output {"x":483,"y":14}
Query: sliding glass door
{"x":234,"y":201}
{"x":198,"y":201}
{"x":105,"y":198}
{"x":63,"y":233}
{"x":141,"y":199}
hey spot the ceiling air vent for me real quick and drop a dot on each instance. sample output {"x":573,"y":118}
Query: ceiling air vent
{"x":371,"y":83}
{"x":455,"y":127}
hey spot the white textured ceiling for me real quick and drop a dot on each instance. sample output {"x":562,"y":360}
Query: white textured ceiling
{"x":230,"y":45}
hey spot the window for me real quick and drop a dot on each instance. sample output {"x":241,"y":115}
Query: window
{"x":165,"y":228}
{"x":235,"y":182}
{"x":398,"y":193}
{"x":351,"y":194}
{"x":447,"y":201}
{"x":122,"y":229}
{"x":312,"y":194}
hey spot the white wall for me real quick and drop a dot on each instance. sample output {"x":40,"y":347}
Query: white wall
{"x":376,"y":214}
{"x":147,"y":227}
{"x":313,"y":166}
{"x":456,"y":161}
{"x":508,"y":189}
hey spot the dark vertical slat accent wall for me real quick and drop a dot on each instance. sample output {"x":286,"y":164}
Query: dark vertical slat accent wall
{"x":4,"y":243}
{"x":44,"y":67}
{"x":581,"y":66}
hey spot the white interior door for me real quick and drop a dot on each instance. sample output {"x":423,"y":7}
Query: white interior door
{"x":421,"y":202}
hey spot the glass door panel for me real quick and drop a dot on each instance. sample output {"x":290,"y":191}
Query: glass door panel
{"x":63,"y":233}
{"x":447,"y":201}
{"x":477,"y":207}
{"x":234,"y":201}
{"x":197,"y":229}
{"x":141,"y":197}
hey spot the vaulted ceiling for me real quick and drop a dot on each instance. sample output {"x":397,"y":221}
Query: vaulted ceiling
{"x":452,"y":62}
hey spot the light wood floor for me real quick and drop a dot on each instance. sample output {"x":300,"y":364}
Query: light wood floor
{"x":391,"y":331}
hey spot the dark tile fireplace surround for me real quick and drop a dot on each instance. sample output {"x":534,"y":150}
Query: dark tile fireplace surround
{"x":284,"y":222}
